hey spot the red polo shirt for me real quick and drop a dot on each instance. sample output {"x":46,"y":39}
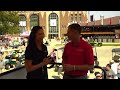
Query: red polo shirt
{"x":80,"y":54}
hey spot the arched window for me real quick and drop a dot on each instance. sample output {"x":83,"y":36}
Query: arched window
{"x":53,"y":26}
{"x":34,"y":20}
{"x":22,"y":23}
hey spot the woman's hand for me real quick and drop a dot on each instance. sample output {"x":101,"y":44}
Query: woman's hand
{"x":46,"y":61}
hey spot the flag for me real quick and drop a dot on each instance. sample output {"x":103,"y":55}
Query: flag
{"x":91,"y":18}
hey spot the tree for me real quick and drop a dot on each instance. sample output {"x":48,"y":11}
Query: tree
{"x":9,"y":22}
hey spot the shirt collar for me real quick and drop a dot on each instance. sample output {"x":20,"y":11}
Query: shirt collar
{"x":77,"y":44}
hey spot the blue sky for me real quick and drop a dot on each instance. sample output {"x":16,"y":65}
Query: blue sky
{"x":106,"y":14}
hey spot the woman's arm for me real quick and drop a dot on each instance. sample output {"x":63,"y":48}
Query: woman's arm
{"x":29,"y":67}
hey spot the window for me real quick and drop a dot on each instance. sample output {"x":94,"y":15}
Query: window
{"x":53,"y":16}
{"x":71,"y":17}
{"x":53,"y":25}
{"x":76,"y":17}
{"x":22,"y":23}
{"x":79,"y":17}
{"x":22,"y":18}
{"x":34,"y":20}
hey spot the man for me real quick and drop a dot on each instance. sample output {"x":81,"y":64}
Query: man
{"x":109,"y":72}
{"x":78,"y":55}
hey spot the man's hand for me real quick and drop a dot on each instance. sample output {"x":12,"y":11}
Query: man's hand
{"x":68,"y":67}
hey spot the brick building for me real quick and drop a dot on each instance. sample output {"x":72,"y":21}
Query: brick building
{"x":104,"y":30}
{"x":54,"y":22}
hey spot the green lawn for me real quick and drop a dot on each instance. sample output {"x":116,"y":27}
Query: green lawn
{"x":110,"y":44}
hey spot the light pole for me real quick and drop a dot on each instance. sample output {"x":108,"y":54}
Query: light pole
{"x":102,"y":19}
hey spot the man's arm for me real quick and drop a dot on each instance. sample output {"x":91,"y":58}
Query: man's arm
{"x":64,"y":57}
{"x":83,"y":67}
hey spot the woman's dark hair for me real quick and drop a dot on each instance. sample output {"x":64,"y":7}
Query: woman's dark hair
{"x":31,"y":40}
{"x":75,"y":26}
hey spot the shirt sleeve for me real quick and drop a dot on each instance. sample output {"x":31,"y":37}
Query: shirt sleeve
{"x":89,"y":56}
{"x":28,"y":54}
{"x":64,"y":56}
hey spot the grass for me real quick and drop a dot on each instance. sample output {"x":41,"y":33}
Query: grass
{"x":110,"y":44}
{"x":105,"y":44}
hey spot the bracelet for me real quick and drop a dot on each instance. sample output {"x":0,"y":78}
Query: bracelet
{"x":74,"y":67}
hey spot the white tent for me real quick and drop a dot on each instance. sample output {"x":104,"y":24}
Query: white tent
{"x":25,"y":34}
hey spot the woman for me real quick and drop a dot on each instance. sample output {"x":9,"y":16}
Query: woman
{"x":36,"y":55}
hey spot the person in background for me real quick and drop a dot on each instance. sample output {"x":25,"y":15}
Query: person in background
{"x":2,"y":63}
{"x":78,"y":56}
{"x":98,"y":75}
{"x":53,"y":55}
{"x":110,"y":74}
{"x":114,"y":66}
{"x":118,"y":69}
